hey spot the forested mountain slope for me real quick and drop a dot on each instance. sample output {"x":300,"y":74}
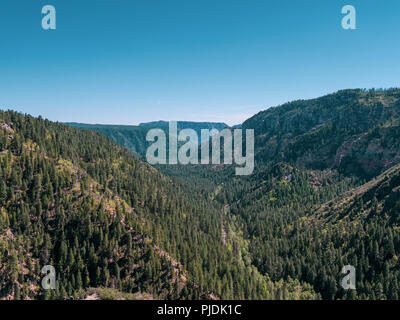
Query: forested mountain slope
{"x":361,"y":228}
{"x":75,"y":200}
{"x":324,"y":193}
{"x":309,"y":154}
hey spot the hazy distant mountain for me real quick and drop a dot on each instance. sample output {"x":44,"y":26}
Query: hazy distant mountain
{"x":133,"y":138}
{"x":197,"y":126}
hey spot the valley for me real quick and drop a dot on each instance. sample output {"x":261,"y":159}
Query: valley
{"x":324,"y":193}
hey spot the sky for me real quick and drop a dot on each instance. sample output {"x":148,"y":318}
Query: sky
{"x":126,"y":62}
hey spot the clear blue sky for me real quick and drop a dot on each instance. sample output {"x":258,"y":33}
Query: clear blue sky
{"x":211,"y":60}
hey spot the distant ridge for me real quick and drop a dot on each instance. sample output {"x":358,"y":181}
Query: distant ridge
{"x":186,"y":125}
{"x":133,"y":137}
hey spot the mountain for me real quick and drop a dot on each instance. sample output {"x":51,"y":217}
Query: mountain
{"x":197,"y":126}
{"x":361,"y":227}
{"x":309,"y":155}
{"x":111,"y":225}
{"x":324,"y":194}
{"x":378,"y":199}
{"x":353,"y":131}
{"x":133,"y":138}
